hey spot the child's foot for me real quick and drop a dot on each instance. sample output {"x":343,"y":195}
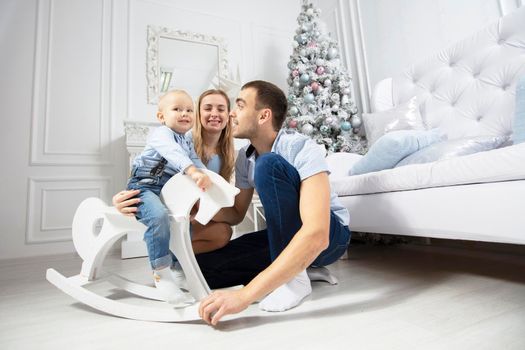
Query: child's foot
{"x":288,"y":295}
{"x":168,"y":289}
{"x":178,"y":276}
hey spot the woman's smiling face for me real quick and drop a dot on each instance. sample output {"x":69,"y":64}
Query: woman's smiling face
{"x":214,"y":113}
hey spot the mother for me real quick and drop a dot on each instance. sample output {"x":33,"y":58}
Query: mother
{"x":213,"y":140}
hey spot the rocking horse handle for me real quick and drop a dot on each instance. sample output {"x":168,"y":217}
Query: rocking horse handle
{"x":180,"y":193}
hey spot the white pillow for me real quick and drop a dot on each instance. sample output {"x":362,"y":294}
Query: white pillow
{"x":406,"y":116}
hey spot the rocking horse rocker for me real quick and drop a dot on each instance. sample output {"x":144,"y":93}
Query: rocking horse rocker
{"x":179,"y":195}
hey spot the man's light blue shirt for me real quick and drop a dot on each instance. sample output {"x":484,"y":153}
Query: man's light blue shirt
{"x":302,"y":153}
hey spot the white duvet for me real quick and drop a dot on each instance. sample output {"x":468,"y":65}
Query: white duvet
{"x":504,"y":164}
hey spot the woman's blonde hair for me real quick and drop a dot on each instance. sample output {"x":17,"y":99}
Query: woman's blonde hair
{"x":225,"y":146}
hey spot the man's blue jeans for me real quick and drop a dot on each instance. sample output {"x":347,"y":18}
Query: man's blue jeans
{"x":278,"y":184}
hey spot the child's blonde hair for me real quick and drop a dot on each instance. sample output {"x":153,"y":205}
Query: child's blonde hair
{"x":160,"y":104}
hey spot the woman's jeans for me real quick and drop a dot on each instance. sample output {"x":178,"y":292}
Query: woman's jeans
{"x":154,"y":214}
{"x":278,"y":184}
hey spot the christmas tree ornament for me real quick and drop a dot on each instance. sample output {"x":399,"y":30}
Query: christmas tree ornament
{"x":307,"y":129}
{"x":309,"y":98}
{"x":305,"y":78}
{"x":346,"y":126}
{"x":293,"y":110}
{"x":296,"y":84}
{"x":292,"y":124}
{"x":327,"y":82}
{"x":356,"y":122}
{"x":320,"y":70}
{"x":314,"y":85}
{"x":332,"y":53}
{"x":295,"y":73}
{"x":319,"y":62}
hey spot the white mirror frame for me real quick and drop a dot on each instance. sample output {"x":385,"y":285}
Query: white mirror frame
{"x":153,"y":66}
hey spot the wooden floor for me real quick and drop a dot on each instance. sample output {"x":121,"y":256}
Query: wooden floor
{"x":389,"y":297}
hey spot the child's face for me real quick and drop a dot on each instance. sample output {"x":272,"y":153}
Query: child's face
{"x":176,"y":112}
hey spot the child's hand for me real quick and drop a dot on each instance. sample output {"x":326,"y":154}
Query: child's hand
{"x":202,"y":180}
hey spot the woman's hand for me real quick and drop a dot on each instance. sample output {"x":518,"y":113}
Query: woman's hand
{"x":125,"y":203}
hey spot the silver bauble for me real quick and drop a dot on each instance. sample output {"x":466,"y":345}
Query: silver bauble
{"x":307,"y":129}
{"x":356,"y":121}
{"x":332,"y":53}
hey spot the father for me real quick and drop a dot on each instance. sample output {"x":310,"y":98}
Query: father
{"x":306,"y":225}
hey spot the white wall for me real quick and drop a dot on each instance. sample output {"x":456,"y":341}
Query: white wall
{"x":386,"y":36}
{"x":72,"y":71}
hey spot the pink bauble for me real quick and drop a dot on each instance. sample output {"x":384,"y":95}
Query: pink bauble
{"x":320,"y":70}
{"x":314,"y":86}
{"x":292,"y":123}
{"x":295,"y":73}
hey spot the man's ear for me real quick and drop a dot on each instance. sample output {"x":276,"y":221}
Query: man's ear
{"x":265,"y":116}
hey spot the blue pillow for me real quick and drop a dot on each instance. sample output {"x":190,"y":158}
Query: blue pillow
{"x":390,"y":148}
{"x":454,"y":148}
{"x":518,"y":132}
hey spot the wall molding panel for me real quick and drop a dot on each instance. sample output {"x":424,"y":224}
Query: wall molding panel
{"x":68,"y":127}
{"x":52,"y":203}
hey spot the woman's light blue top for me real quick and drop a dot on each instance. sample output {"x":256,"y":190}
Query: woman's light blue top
{"x":214,"y":164}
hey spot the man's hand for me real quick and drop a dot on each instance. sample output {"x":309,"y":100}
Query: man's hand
{"x":221,"y":303}
{"x":125,"y":203}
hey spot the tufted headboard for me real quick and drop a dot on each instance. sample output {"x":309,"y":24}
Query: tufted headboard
{"x":469,"y":88}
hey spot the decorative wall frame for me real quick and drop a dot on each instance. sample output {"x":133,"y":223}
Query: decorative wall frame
{"x":187,"y":60}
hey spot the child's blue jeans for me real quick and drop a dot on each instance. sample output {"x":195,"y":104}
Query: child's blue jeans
{"x":154,"y":214}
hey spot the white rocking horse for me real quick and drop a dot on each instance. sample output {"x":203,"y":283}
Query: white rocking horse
{"x":179,"y":195}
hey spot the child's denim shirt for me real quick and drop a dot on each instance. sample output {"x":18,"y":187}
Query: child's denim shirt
{"x":166,"y":154}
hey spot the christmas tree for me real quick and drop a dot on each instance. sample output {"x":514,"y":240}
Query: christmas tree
{"x":320,"y":92}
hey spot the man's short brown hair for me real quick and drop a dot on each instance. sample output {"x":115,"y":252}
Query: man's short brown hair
{"x":269,"y":96}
